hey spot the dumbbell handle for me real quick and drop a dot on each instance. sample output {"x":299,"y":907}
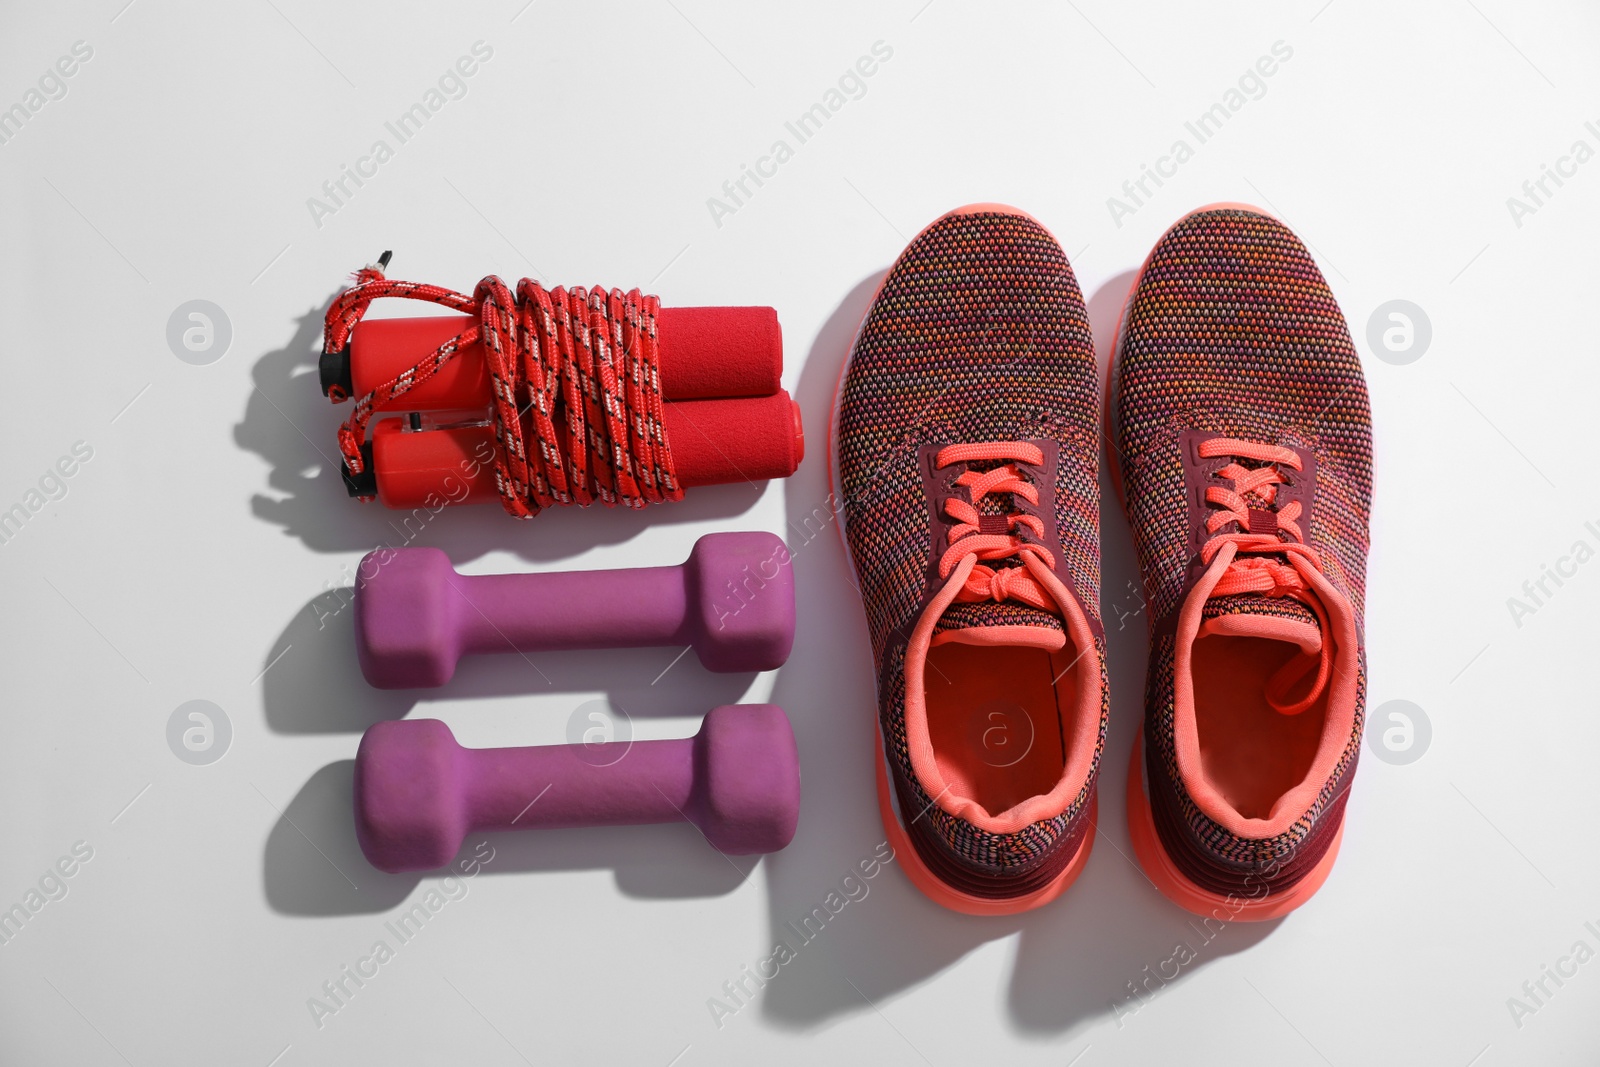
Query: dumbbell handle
{"x":514,"y":610}
{"x":556,"y":786}
{"x":417,"y":792}
{"x":732,"y":600}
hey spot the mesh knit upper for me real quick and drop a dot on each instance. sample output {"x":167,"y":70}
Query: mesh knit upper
{"x":978,"y":334}
{"x":1233,"y":330}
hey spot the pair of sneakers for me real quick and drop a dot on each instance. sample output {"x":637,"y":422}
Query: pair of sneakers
{"x":967,"y":442}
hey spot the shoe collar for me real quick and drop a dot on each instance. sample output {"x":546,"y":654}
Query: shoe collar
{"x":1069,"y":627}
{"x":1335,"y":640}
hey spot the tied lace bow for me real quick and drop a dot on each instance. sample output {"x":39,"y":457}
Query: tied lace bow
{"x":995,"y":536}
{"x":1266,"y":533}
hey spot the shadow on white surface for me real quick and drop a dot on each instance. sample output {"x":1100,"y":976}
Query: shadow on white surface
{"x":313,"y":864}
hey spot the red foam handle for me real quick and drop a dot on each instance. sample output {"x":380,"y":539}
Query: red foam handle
{"x":705,"y":352}
{"x":713,"y":442}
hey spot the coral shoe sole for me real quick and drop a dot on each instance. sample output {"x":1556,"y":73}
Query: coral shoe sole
{"x":936,"y":890}
{"x":1159,"y":868}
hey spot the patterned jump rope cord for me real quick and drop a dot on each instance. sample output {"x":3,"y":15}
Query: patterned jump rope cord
{"x":554,"y":356}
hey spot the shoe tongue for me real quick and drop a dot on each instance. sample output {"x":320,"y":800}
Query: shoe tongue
{"x":1004,"y":623}
{"x":1277,"y":618}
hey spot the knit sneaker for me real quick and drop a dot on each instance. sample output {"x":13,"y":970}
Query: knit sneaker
{"x":966,"y":452}
{"x":1244,"y":444}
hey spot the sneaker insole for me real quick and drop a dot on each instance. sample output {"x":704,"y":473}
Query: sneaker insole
{"x":995,"y":717}
{"x":1250,"y":754}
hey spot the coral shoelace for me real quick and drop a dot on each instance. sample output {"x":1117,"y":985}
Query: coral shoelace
{"x":995,"y":536}
{"x":1266,"y":532}
{"x":583,"y":365}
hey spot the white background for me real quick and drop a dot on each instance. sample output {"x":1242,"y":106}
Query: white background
{"x":190,"y":552}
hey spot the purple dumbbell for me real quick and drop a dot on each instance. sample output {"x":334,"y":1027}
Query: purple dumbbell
{"x":418,"y":793}
{"x":733,"y":601}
